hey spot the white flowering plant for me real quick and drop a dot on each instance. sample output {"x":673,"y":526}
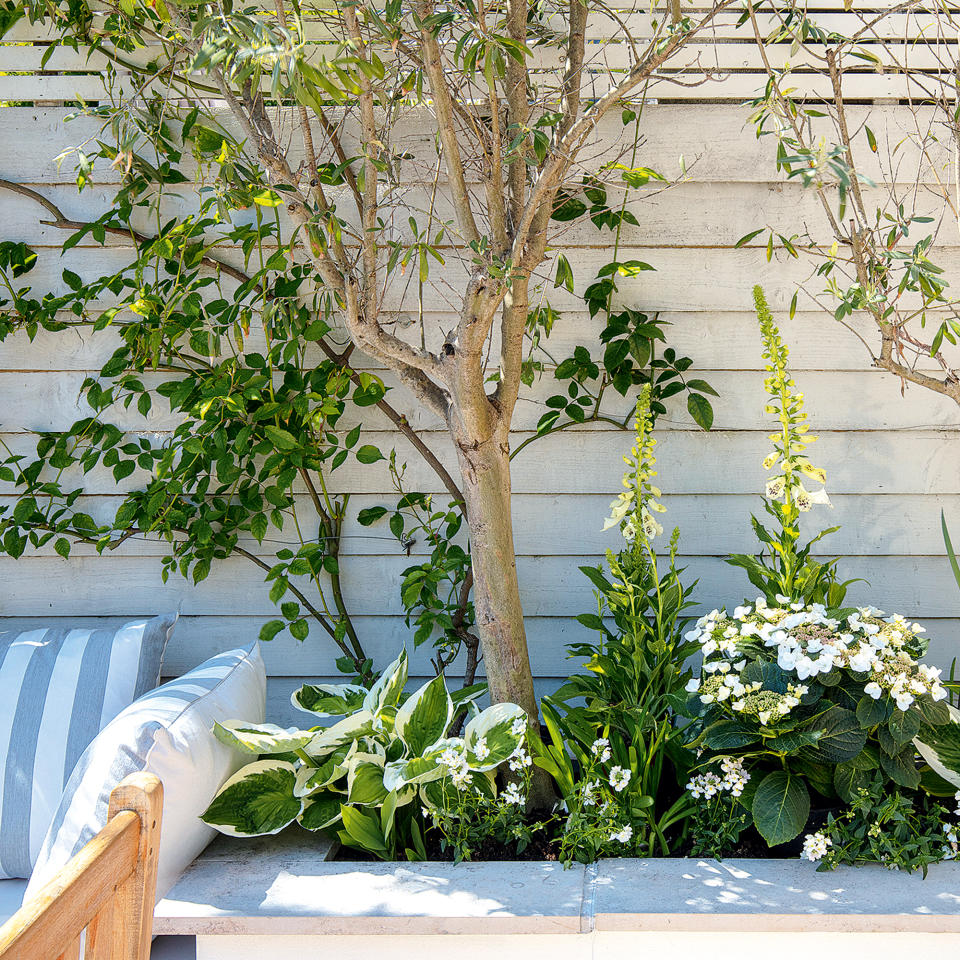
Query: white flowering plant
{"x":374,"y":775}
{"x":898,"y":830}
{"x":631,"y":685}
{"x":474,"y":823}
{"x":814,"y":701}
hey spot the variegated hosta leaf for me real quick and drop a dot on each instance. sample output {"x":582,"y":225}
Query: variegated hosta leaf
{"x":256,"y":800}
{"x":424,"y":717}
{"x":399,"y":773}
{"x":495,"y":735}
{"x":940,"y":747}
{"x":357,"y":725}
{"x":320,"y":811}
{"x":329,"y":699}
{"x":386,"y":691}
{"x":259,"y":738}
{"x":333,"y":767}
{"x":443,"y":793}
{"x":365,"y":780}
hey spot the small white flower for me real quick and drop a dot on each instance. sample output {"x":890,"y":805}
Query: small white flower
{"x":873,"y":689}
{"x":512,"y":795}
{"x":693,"y":685}
{"x":518,"y":726}
{"x":601,"y":749}
{"x":623,"y":835}
{"x":480,"y":750}
{"x":619,"y":778}
{"x":904,"y":700}
{"x":815,"y":846}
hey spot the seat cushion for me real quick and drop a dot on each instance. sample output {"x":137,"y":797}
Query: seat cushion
{"x":11,"y":896}
{"x":168,"y":732}
{"x":59,"y":687}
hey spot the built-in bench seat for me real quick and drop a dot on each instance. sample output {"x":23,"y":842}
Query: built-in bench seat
{"x":280,"y":898}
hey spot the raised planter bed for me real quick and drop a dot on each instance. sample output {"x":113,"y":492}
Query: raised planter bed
{"x":280,"y":898}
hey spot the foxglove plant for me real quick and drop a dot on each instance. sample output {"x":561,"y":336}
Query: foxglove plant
{"x":784,"y":565}
{"x":632,"y":682}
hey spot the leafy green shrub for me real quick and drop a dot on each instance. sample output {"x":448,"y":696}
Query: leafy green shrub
{"x":614,"y":751}
{"x":374,"y":771}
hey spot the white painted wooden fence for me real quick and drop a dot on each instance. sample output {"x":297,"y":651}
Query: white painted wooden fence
{"x":893,"y":462}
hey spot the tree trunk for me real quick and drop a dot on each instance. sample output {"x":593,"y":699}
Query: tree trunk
{"x":485,"y":468}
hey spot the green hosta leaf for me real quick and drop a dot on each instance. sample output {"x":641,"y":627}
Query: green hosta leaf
{"x":400,"y":773}
{"x":496,"y":734}
{"x":329,"y":699}
{"x":781,"y":806}
{"x":424,"y":717}
{"x":728,"y":735}
{"x":902,"y":767}
{"x":362,"y":830}
{"x":256,"y":800}
{"x":357,"y":725}
{"x":365,"y":780}
{"x":260,"y":738}
{"x":940,"y":747}
{"x":311,"y":779}
{"x":386,"y":691}
{"x":903,"y":725}
{"x":842,"y":737}
{"x":320,"y":811}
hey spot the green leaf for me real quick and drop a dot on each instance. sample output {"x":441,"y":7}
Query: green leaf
{"x":781,"y":807}
{"x":901,"y":768}
{"x":260,"y":738}
{"x":842,"y":736}
{"x":386,"y":691}
{"x":495,"y":726}
{"x":849,"y":778}
{"x":270,"y":629}
{"x":362,"y":830}
{"x":746,"y":238}
{"x":255,"y":801}
{"x":424,"y":717}
{"x":369,"y":454}
{"x":370,"y":515}
{"x":320,"y":811}
{"x":701,"y":410}
{"x":871,"y":713}
{"x":329,"y":699}
{"x":729,"y":735}
{"x":903,"y":725}
{"x":940,"y":747}
{"x":365,"y":781}
{"x":62,"y":546}
{"x":280,"y":438}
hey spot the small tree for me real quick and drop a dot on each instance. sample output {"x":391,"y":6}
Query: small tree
{"x":311,"y":108}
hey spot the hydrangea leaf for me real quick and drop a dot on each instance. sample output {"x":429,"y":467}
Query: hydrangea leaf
{"x":780,"y":807}
{"x":842,"y":737}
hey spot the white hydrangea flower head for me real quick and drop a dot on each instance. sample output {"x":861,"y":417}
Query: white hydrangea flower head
{"x":815,"y":846}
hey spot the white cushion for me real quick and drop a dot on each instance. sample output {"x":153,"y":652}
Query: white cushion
{"x":59,"y":687}
{"x":169,"y":732}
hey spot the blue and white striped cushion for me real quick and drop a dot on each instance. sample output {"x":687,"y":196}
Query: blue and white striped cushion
{"x":59,"y":687}
{"x":169,"y":732}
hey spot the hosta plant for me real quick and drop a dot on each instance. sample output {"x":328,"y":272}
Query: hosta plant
{"x":371,"y":774}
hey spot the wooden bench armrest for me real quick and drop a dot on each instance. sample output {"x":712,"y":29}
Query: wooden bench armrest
{"x":107,"y":889}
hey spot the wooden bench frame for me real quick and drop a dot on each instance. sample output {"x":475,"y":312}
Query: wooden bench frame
{"x":106,"y":891}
